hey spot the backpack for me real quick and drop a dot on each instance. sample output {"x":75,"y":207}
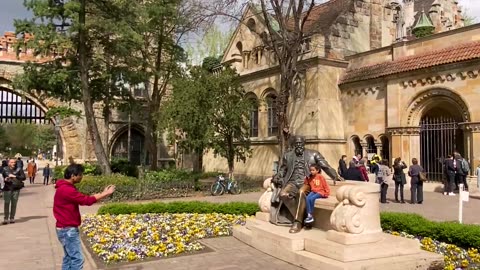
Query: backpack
{"x":465,"y":166}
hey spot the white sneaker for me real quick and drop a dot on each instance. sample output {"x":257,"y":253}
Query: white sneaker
{"x":445,"y":193}
{"x":451,"y":194}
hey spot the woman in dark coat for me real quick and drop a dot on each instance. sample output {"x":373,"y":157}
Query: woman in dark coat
{"x":416,"y":188}
{"x":399,"y":178}
{"x":353,"y":173}
{"x":342,"y":166}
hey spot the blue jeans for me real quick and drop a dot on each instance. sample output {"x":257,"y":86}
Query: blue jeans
{"x":311,"y":197}
{"x":70,"y":239}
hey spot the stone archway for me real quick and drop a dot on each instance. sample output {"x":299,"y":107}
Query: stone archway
{"x":71,"y":144}
{"x":438,"y":113}
{"x":435,"y":97}
{"x":119,"y":144}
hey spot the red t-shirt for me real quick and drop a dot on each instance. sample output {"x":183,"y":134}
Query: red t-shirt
{"x":66,"y":202}
{"x":318,"y":184}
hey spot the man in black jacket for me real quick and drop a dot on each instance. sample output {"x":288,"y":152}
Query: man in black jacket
{"x":14,"y":178}
{"x":342,"y":166}
{"x":450,"y":175}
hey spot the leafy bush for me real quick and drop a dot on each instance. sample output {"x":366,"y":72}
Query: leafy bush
{"x":123,"y":166}
{"x":462,"y":235}
{"x":58,"y":171}
{"x":237,"y":208}
{"x":90,"y":169}
{"x":125,"y":186}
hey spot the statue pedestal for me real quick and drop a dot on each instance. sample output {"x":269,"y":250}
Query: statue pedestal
{"x":353,"y":241}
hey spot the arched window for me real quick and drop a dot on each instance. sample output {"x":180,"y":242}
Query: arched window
{"x":371,"y":147}
{"x":272,"y":115}
{"x":254,"y":118}
{"x":137,"y":146}
{"x":358,"y":149}
{"x":251,"y":25}
{"x":239,"y":47}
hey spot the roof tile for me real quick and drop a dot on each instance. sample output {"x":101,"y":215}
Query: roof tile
{"x":453,"y":54}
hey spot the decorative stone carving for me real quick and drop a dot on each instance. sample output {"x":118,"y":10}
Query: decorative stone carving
{"x":347,"y":216}
{"x":417,"y":104}
{"x":265,"y":200}
{"x":365,"y":91}
{"x":472,"y":126}
{"x":450,"y":77}
{"x":404,"y":130}
{"x":355,"y":219}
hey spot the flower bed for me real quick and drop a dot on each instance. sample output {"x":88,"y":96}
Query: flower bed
{"x":455,"y":257}
{"x":119,"y":238}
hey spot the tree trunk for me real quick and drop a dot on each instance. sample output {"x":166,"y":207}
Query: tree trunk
{"x":231,"y":157}
{"x":151,"y":140}
{"x":87,"y":98}
{"x":282,"y":112}
{"x":198,"y":166}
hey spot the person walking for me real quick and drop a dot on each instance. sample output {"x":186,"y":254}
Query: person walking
{"x":31,"y":170}
{"x":416,"y":184}
{"x":342,"y":166}
{"x":399,"y":178}
{"x":46,"y":174}
{"x":478,"y":176}
{"x":382,"y":179}
{"x":14,"y":178}
{"x":462,"y":170}
{"x":66,"y":211}
{"x":450,"y":176}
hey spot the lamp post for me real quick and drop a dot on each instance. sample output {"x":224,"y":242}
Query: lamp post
{"x":57,"y":137}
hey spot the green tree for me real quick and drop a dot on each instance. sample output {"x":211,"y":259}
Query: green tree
{"x":76,"y":41}
{"x":187,"y":114}
{"x":159,"y":27}
{"x":209,"y":111}
{"x":231,"y":116}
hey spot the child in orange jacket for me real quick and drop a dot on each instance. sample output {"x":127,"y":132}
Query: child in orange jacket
{"x":318,"y":189}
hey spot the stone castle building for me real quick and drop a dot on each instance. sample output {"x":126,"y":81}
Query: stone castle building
{"x":367,"y":85}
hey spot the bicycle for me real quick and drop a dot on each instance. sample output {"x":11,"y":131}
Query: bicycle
{"x":223,"y":184}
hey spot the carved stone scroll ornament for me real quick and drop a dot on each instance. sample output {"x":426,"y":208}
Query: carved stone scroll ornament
{"x":347,"y":215}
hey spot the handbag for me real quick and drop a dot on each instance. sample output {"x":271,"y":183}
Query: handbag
{"x":17,"y":184}
{"x":422,"y":176}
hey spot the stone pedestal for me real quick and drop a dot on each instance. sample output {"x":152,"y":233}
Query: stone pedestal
{"x":354,"y":241}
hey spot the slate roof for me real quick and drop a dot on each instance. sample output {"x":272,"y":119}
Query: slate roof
{"x":453,"y":54}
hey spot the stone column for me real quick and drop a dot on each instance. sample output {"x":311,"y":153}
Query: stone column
{"x":472,"y":144}
{"x":364,"y":149}
{"x":405,"y":143}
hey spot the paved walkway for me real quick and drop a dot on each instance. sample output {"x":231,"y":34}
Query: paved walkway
{"x":31,"y":243}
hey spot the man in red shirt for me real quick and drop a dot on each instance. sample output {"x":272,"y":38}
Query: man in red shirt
{"x":318,"y":187}
{"x":67,"y":213}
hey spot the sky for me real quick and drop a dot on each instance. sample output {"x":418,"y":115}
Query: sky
{"x":11,"y":9}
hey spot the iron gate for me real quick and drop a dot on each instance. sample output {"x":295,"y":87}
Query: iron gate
{"x":439,"y":137}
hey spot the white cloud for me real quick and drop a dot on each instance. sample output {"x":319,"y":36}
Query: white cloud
{"x":472,"y":7}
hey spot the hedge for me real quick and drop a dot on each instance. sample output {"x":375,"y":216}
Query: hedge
{"x":238,"y":208}
{"x":462,"y":235}
{"x":153,"y":186}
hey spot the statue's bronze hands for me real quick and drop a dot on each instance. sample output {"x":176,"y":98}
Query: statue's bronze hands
{"x":277,"y":181}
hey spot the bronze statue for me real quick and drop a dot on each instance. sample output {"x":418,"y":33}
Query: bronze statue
{"x":288,"y":199}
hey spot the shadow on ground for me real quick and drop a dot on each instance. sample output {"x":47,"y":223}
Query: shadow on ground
{"x":25,"y":219}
